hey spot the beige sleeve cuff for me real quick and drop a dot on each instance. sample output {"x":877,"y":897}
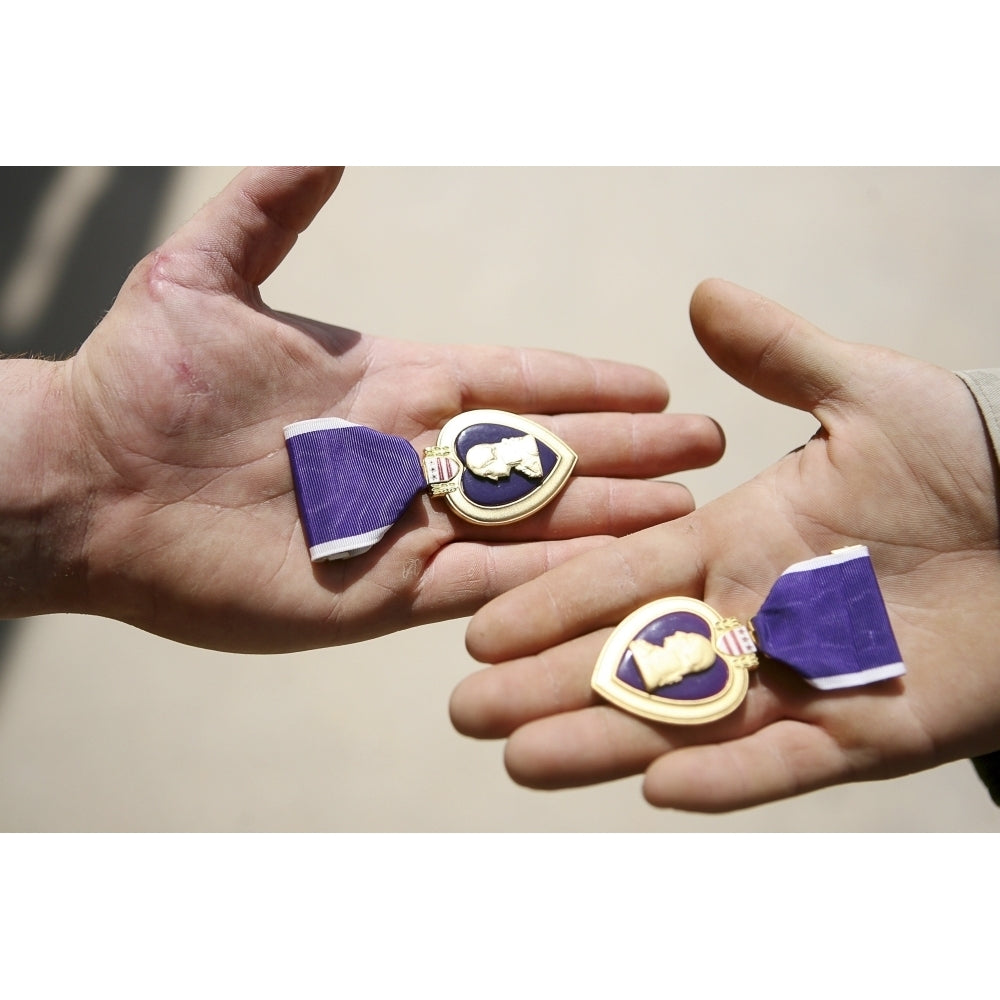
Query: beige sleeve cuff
{"x":984,"y":384}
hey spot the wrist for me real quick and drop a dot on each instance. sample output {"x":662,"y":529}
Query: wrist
{"x":44,"y":497}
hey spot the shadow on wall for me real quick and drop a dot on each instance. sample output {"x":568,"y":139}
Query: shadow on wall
{"x":68,"y":238}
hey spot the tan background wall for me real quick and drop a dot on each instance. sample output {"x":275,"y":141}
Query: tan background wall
{"x":105,"y":728}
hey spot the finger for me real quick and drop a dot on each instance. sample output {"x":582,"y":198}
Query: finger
{"x":492,"y":703}
{"x":783,"y":759}
{"x":591,"y":506}
{"x":595,"y":591}
{"x":639,"y":444}
{"x":769,"y":349}
{"x":463,"y":576}
{"x":531,"y":380}
{"x":583,"y":748}
{"x":237,"y":240}
{"x":630,"y":445}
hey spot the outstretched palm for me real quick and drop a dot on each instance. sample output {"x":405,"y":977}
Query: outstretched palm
{"x":178,"y":400}
{"x":900,"y":464}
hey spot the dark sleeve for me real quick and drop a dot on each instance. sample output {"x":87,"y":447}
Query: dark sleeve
{"x":988,"y":768}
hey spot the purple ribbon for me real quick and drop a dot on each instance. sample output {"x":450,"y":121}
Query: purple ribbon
{"x":826,"y":619}
{"x":352,"y":483}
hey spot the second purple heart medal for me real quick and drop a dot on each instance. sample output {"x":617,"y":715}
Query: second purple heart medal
{"x":677,"y":660}
{"x":353,"y":483}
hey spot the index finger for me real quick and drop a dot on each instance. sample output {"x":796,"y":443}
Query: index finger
{"x":591,"y":591}
{"x":536,"y":380}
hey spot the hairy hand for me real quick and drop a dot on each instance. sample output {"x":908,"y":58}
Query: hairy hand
{"x":174,"y":409}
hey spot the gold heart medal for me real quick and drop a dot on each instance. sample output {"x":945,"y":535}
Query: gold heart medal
{"x":677,"y":660}
{"x":352,"y":483}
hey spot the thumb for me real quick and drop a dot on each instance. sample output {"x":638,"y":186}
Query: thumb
{"x":244,"y":233}
{"x":770,"y":350}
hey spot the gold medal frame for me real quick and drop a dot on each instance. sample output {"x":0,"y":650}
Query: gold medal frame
{"x":656,"y":707}
{"x":518,"y":510}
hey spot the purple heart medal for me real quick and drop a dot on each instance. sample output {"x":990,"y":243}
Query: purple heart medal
{"x":353,"y":483}
{"x":677,"y":660}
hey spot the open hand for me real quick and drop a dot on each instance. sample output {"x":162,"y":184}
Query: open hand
{"x":175,"y":510}
{"x":901,"y":464}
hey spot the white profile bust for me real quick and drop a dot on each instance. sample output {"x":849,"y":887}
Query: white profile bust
{"x":681,"y":654}
{"x":496,"y":461}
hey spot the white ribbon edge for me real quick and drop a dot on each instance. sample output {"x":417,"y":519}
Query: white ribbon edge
{"x":316,"y":424}
{"x":347,"y":548}
{"x":857,"y":679}
{"x":835,"y":557}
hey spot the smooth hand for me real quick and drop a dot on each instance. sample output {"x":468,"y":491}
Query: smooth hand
{"x":172,"y":507}
{"x":901,"y":463}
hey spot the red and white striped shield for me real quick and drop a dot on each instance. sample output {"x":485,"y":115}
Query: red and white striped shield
{"x":736,"y":642}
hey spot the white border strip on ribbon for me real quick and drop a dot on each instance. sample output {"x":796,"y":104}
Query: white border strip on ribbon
{"x":347,"y":548}
{"x":832,"y":559}
{"x":859,"y":678}
{"x":316,"y":424}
